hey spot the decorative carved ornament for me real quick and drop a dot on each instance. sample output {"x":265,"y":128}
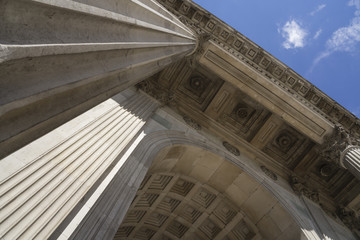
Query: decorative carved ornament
{"x":327,"y":169}
{"x":231,"y":148}
{"x":269,"y":173}
{"x":192,"y":123}
{"x":335,"y":144}
{"x":162,"y":96}
{"x":168,"y":204}
{"x":301,"y":189}
{"x":208,"y":27}
{"x":349,"y":218}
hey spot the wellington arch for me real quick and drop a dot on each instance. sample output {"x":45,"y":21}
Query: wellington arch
{"x":144,"y":119}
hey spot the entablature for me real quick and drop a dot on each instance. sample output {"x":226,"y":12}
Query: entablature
{"x":242,"y":94}
{"x":315,"y":105}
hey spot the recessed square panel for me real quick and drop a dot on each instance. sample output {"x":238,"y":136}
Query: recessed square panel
{"x":211,"y":25}
{"x":198,"y":89}
{"x":286,"y":145}
{"x":237,"y":112}
{"x":238,"y":44}
{"x":251,"y":53}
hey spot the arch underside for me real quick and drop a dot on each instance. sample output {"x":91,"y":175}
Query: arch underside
{"x":191,"y":193}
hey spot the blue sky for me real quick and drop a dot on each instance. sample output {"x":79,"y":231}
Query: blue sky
{"x":319,"y":39}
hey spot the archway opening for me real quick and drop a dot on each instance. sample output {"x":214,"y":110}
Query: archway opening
{"x":192,"y":193}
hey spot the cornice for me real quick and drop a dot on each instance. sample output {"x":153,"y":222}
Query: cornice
{"x":207,"y":26}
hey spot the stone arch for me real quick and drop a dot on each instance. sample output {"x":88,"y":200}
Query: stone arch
{"x":148,"y":149}
{"x":185,"y":192}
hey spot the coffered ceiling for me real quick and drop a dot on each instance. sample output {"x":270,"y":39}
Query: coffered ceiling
{"x":191,"y":193}
{"x":231,"y":113}
{"x":243,"y":95}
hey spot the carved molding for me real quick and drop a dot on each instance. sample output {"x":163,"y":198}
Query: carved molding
{"x":349,"y":218}
{"x":192,"y":123}
{"x":163,"y":97}
{"x":208,"y":27}
{"x":335,"y":144}
{"x":269,"y":173}
{"x":169,"y":204}
{"x":231,"y":149}
{"x":300,"y":188}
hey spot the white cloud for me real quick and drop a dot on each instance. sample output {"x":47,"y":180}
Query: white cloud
{"x":294,"y":35}
{"x":319,"y":8}
{"x":321,"y":56}
{"x":317,"y":34}
{"x":344,"y":39}
{"x":355,"y":3}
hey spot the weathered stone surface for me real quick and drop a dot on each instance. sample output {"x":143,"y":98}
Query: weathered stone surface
{"x":58,"y":59}
{"x":351,"y":160}
{"x":79,"y":180}
{"x":37,"y":196}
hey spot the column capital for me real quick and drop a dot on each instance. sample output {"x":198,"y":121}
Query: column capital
{"x":346,"y":150}
{"x":338,"y":144}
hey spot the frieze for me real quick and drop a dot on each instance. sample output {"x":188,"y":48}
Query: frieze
{"x":209,"y":27}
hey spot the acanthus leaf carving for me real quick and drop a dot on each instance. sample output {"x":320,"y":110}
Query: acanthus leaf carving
{"x":165,"y":98}
{"x":300,"y":188}
{"x":246,"y":51}
{"x":336,"y":143}
{"x":349,"y":218}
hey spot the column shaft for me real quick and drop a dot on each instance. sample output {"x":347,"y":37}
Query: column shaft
{"x":351,"y":160}
{"x":61,"y":167}
{"x":60,"y":58}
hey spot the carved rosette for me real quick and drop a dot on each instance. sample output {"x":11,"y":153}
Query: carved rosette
{"x":212,"y":29}
{"x":327,"y":169}
{"x":231,"y":149}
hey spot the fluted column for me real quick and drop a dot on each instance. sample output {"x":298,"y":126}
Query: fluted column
{"x":42,"y":183}
{"x":60,"y":58}
{"x":350,"y":159}
{"x":343,"y":149}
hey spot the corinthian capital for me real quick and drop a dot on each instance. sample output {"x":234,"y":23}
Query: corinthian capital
{"x":335,"y":144}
